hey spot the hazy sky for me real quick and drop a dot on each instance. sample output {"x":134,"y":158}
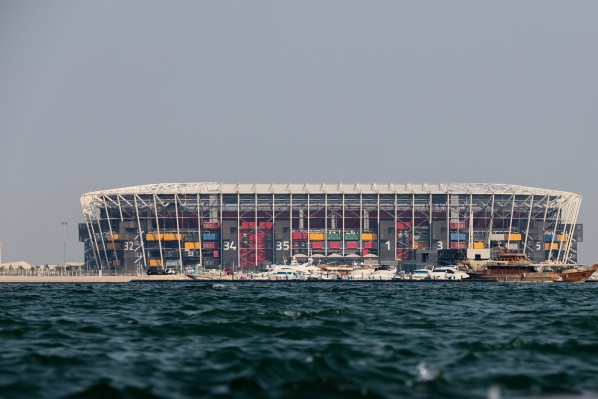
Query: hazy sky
{"x":106,"y":94}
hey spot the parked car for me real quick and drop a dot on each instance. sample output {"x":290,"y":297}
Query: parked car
{"x":155,"y":271}
{"x":170,"y":270}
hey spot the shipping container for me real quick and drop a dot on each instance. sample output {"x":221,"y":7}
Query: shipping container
{"x":334,"y":236}
{"x":299,"y":235}
{"x":317,"y":244}
{"x":172,"y":237}
{"x":192,"y":245}
{"x":352,"y":236}
{"x":211,"y":244}
{"x":316,"y":236}
{"x":368,"y":236}
{"x":458,"y":245}
{"x":211,"y":225}
{"x":116,"y":245}
{"x":210,"y":236}
{"x":457,"y":225}
{"x":457,"y":236}
{"x":403,"y":225}
{"x":265,"y":225}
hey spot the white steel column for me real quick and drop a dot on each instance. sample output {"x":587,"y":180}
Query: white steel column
{"x":178,"y":232}
{"x":158,"y":229}
{"x":529,"y":219}
{"x":511,"y":222}
{"x":110,"y":228}
{"x":199,"y":240}
{"x":141,"y":238}
{"x":491,"y":227}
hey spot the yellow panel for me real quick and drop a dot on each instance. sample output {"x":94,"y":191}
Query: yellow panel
{"x":192,"y":245}
{"x":479,"y":245}
{"x":554,"y":245}
{"x":513,"y":237}
{"x":420,"y":245}
{"x":149,"y":237}
{"x":562,"y":237}
{"x":155,"y":262}
{"x":368,"y":236}
{"x":112,"y":237}
{"x":316,"y":236}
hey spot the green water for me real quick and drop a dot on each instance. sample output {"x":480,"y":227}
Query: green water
{"x":289,"y":339}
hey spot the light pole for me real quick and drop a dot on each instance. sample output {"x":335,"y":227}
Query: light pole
{"x":64,"y":247}
{"x":1,"y":244}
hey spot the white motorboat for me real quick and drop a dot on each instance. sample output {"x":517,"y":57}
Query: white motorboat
{"x":294,"y":271}
{"x":420,"y":274}
{"x":448,"y":273}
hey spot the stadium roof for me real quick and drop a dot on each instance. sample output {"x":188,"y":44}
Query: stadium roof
{"x":322,"y":188}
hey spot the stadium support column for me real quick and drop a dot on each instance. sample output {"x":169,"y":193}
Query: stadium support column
{"x":470,"y":231}
{"x":92,"y":241}
{"x":491,"y":227}
{"x":110,"y":228}
{"x":99,"y":214}
{"x":141,"y":241}
{"x":511,"y":222}
{"x":529,"y":218}
{"x":199,"y":240}
{"x":178,"y":232}
{"x":158,"y":229}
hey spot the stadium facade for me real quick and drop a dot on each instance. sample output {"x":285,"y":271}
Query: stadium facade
{"x":219,"y":225}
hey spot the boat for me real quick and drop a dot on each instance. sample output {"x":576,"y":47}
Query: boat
{"x":293,"y":271}
{"x":448,"y":273}
{"x":420,"y":274}
{"x":516,"y":267}
{"x":578,"y":276}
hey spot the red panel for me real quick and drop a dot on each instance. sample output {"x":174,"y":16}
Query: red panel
{"x":265,"y":225}
{"x":317,"y":244}
{"x":457,"y":225}
{"x":364,"y":252}
{"x":210,"y":244}
{"x":368,"y":244}
{"x":352,"y":244}
{"x":211,"y":225}
{"x":334,"y":244}
{"x":403,"y":225}
{"x":458,"y":245}
{"x":299,"y":235}
{"x":404,"y":254}
{"x":216,"y":254}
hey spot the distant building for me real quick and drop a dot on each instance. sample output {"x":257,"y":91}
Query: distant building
{"x":247,"y":225}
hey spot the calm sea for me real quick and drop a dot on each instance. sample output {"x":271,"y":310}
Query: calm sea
{"x":289,"y":339}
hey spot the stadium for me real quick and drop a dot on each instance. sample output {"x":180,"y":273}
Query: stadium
{"x":217,"y":225}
